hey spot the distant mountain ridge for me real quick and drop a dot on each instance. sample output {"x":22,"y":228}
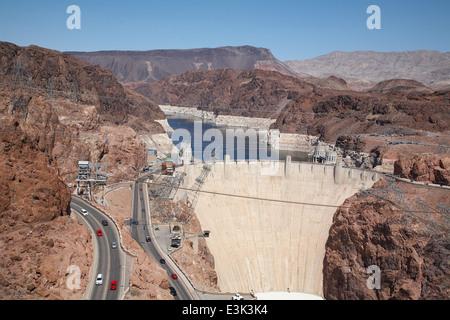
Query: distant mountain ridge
{"x":363,"y":69}
{"x":154,"y":65}
{"x":302,"y":107}
{"x":401,"y":85}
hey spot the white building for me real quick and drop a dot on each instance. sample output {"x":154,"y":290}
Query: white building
{"x":323,"y":155}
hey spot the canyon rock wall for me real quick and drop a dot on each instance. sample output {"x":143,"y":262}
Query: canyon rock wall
{"x":39,"y":240}
{"x":434,"y":168}
{"x":54,"y":111}
{"x":76,"y":111}
{"x":409,"y":246}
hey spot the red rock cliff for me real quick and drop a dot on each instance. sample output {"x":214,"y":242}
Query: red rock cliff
{"x":410,"y":246}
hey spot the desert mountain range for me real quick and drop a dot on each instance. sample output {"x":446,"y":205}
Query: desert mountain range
{"x":155,"y":65}
{"x":364,"y":69}
{"x":360,"y":69}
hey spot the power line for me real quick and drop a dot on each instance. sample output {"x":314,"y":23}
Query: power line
{"x":274,"y":200}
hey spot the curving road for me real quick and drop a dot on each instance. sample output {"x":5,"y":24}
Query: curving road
{"x":107,"y":260}
{"x":140,"y":231}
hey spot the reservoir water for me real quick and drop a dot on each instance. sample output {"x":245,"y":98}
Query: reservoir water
{"x":209,"y":140}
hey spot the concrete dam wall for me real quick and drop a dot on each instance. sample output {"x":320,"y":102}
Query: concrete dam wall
{"x":263,"y":245}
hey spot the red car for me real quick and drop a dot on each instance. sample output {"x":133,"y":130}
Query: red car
{"x":99,"y":233}
{"x":174,"y":276}
{"x":113,"y":285}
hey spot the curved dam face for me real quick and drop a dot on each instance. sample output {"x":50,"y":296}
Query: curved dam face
{"x":263,"y":245}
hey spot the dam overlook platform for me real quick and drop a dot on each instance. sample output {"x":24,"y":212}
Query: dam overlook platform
{"x":269,"y":221}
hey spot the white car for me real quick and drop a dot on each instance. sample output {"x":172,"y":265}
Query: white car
{"x":84,"y":212}
{"x":99,"y":279}
{"x":237,"y":296}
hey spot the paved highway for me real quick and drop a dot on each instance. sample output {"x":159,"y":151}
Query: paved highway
{"x":107,"y":259}
{"x":141,"y":230}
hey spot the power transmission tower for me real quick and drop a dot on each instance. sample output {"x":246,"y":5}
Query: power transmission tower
{"x":427,"y":218}
{"x":19,"y":101}
{"x":443,"y":148}
{"x":50,"y":95}
{"x":90,"y":173}
{"x":73,"y":93}
{"x":394,"y":195}
{"x":163,"y":191}
{"x":185,"y":212}
{"x":415,"y":212}
{"x":191,"y":196}
{"x":30,"y":85}
{"x":18,"y":72}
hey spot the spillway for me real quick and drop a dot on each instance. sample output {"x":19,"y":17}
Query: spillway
{"x":263,"y":245}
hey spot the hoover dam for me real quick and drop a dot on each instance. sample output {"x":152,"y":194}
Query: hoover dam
{"x":271,"y":235}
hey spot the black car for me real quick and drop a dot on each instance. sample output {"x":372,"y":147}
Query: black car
{"x":173,"y":291}
{"x":148,"y":239}
{"x":104,"y":222}
{"x":162,"y":261}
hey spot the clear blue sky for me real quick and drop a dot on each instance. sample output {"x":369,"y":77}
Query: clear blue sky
{"x":291,"y":29}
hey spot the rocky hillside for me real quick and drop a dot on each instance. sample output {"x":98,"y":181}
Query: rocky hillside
{"x":331,"y":82}
{"x":432,"y":168}
{"x":74,"y":110}
{"x":400,"y":228}
{"x":154,"y":65}
{"x":255,"y":93}
{"x":54,"y":111}
{"x":363,"y":69}
{"x":38,"y":239}
{"x":401,"y":85}
{"x":302,"y":107}
{"x":346,"y":113}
